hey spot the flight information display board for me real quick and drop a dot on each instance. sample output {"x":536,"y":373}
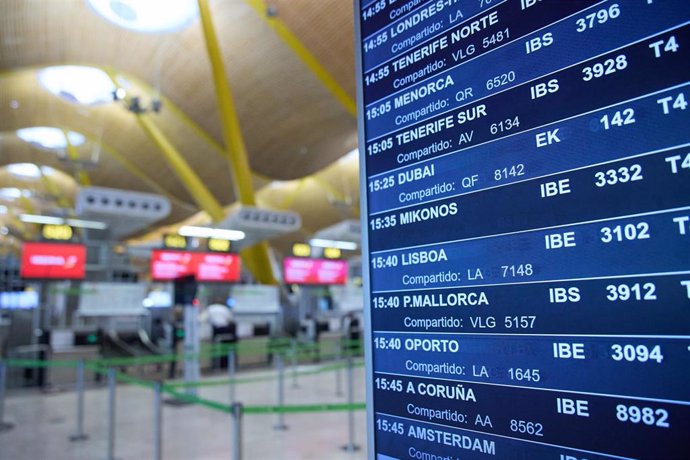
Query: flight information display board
{"x":526,"y":197}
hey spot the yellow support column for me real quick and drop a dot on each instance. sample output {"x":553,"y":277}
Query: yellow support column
{"x":256,"y":257}
{"x":184,"y":172}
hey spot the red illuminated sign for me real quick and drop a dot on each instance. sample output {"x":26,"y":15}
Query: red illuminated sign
{"x":58,"y":261}
{"x":314,"y":271}
{"x":170,"y":265}
{"x":218,"y":267}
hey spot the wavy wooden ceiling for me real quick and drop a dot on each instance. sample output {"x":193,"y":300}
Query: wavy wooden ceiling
{"x":293,"y":127}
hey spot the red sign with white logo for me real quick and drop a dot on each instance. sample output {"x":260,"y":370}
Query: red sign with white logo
{"x":57,"y":261}
{"x":314,"y":271}
{"x":170,"y":265}
{"x":218,"y":267}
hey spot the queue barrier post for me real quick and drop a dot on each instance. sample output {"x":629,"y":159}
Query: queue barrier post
{"x":350,"y":446}
{"x":280,"y":424}
{"x":4,"y":426}
{"x":80,"y":435}
{"x":236,"y":431}
{"x":158,"y":420}
{"x":293,"y":353}
{"x":111,"y":414}
{"x":338,"y":369}
{"x":231,"y":373}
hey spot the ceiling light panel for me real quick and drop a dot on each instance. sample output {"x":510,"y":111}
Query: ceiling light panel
{"x":24,"y":170}
{"x":78,"y":84}
{"x":208,"y":232}
{"x":150,"y":16}
{"x":49,"y":138}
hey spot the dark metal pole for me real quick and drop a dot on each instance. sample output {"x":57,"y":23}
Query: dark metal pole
{"x":294,"y":364}
{"x":158,"y":421}
{"x":280,"y":424}
{"x":111,"y":414}
{"x":80,"y":435}
{"x":338,"y":369}
{"x":350,"y":446}
{"x":4,"y":426}
{"x":237,"y":431}
{"x":231,"y":373}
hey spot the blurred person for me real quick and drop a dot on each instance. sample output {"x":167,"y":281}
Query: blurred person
{"x":176,"y":326}
{"x":222,"y":322}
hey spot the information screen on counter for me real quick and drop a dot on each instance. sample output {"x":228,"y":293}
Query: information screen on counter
{"x":526,"y":197}
{"x":19,"y":300}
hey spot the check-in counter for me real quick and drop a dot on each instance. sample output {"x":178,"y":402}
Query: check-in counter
{"x":60,"y":376}
{"x":254,"y":352}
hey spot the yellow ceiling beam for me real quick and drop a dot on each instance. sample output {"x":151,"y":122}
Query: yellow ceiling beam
{"x":82,"y":176}
{"x":337,"y":194}
{"x":130,"y":167}
{"x":196,"y":188}
{"x":18,"y":225}
{"x":256,"y":257}
{"x":169,"y":105}
{"x":306,"y":56}
{"x":290,"y":199}
{"x":54,"y":190}
{"x":235,"y":149}
{"x":141,"y":175}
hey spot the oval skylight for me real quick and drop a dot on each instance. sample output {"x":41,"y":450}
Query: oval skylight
{"x":49,"y":138}
{"x":151,"y":16}
{"x":13,"y":193}
{"x":78,"y":84}
{"x":28,"y":170}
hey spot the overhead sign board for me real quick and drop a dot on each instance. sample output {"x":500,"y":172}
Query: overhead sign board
{"x":298,"y":270}
{"x":52,"y":260}
{"x":526,"y":200}
{"x":301,"y":250}
{"x":174,"y":241}
{"x":218,"y":245}
{"x":332,"y":253}
{"x":57,"y":232}
{"x":171,"y":265}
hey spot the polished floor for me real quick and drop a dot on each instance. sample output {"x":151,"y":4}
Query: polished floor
{"x":44,"y":423}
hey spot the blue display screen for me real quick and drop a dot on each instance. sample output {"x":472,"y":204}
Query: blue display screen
{"x":19,"y":300}
{"x":527,"y":189}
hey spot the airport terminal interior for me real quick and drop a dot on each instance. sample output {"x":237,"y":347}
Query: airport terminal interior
{"x":344,"y":229}
{"x":180,"y":239}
